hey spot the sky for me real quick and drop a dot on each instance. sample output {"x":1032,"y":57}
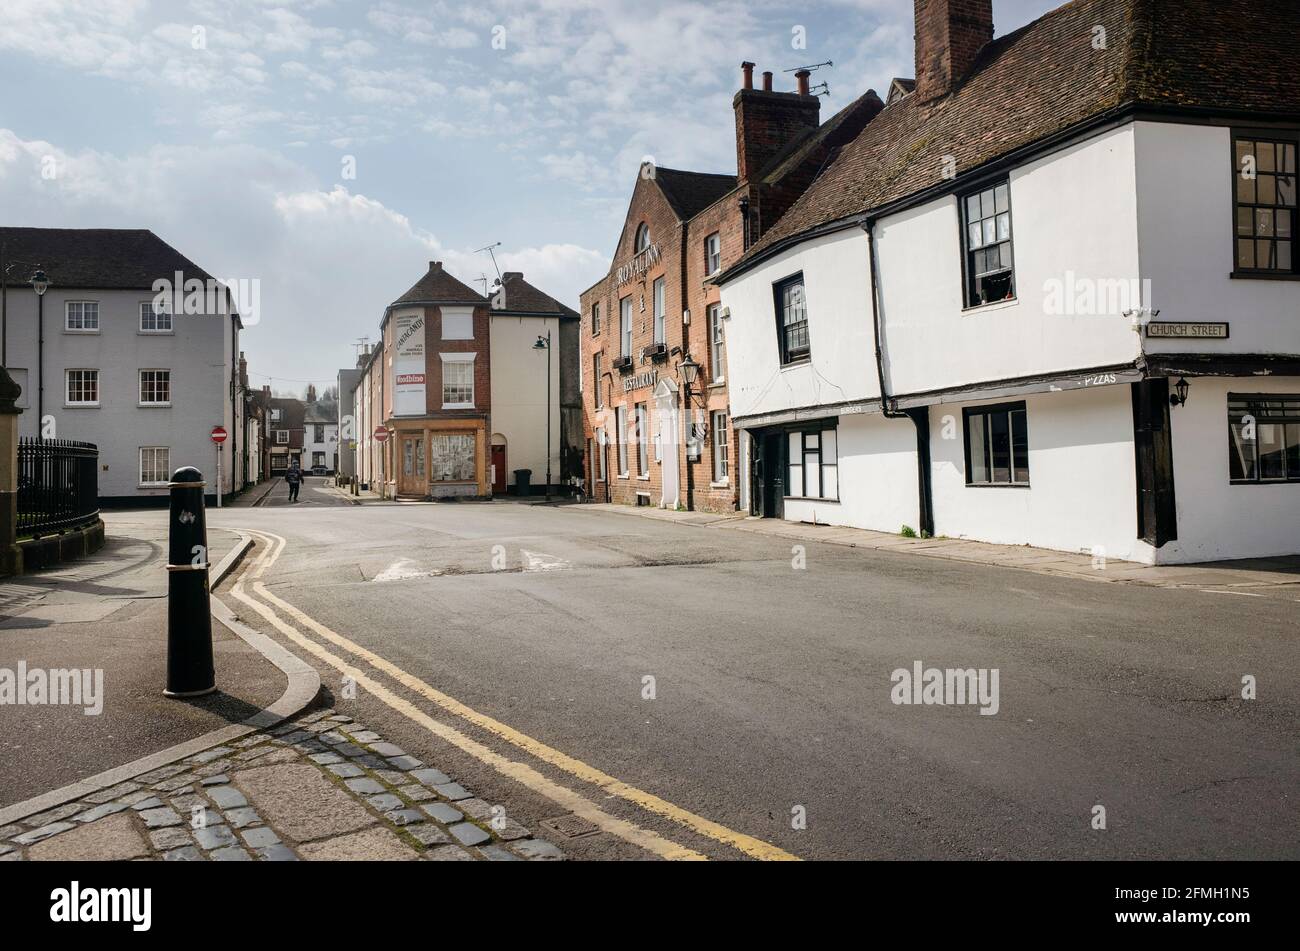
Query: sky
{"x":329,"y":149}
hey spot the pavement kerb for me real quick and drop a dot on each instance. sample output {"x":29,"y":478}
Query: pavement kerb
{"x":1045,"y":561}
{"x":299,"y":694}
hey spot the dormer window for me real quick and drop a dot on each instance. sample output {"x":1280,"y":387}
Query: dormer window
{"x":642,"y":237}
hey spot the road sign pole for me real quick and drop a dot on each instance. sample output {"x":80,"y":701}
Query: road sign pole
{"x":219,"y":448}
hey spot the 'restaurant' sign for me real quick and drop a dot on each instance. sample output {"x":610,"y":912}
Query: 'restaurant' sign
{"x":408,"y":365}
{"x":641,"y":262}
{"x":641,"y":380}
{"x":1213,"y":331}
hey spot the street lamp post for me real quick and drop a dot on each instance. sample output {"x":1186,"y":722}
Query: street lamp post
{"x":40,"y":284}
{"x":690,"y":371}
{"x":544,"y":344}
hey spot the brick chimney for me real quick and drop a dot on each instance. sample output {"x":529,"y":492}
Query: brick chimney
{"x":949,"y":35}
{"x":767,"y":121}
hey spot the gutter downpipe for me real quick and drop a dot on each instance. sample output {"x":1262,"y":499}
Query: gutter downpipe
{"x":919,"y":416}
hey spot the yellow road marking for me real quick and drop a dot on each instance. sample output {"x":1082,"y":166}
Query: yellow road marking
{"x":614,"y":787}
{"x":566,"y":798}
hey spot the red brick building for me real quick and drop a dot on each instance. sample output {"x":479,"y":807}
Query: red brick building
{"x":654,"y":435}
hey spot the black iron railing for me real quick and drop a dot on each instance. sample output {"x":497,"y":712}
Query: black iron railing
{"x":58,"y":485}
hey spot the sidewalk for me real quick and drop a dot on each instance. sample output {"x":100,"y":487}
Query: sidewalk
{"x":107,"y":615}
{"x":257,"y":494}
{"x":320,"y":788}
{"x":1251,"y":573}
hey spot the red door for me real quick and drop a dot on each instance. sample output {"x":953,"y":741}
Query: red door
{"x":499,"y":470}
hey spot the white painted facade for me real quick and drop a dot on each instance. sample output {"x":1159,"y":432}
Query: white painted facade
{"x":1136,"y":217}
{"x":199,"y":355}
{"x":520,"y":400}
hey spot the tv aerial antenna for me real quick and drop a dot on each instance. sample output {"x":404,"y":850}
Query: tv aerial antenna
{"x":821,"y":89}
{"x":490,"y":249}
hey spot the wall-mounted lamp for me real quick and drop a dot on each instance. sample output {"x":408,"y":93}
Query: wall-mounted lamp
{"x":1179,"y":396}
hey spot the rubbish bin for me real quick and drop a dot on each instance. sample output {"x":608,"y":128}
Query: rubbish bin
{"x":523,"y":481}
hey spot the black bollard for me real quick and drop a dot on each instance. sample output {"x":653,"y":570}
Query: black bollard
{"x":189,"y":623}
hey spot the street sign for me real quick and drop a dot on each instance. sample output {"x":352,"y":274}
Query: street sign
{"x":381,"y":433}
{"x":219,"y":434}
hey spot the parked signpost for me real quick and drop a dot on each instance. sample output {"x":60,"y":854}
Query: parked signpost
{"x":219,"y":436}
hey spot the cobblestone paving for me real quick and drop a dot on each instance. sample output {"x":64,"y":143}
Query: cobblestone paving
{"x":320,"y":788}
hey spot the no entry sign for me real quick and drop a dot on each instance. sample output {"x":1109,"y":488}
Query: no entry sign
{"x":219,"y":434}
{"x":381,"y":433}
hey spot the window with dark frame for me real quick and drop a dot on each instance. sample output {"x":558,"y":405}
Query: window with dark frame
{"x":812,"y":470}
{"x":986,"y":238}
{"x":792,"y":320}
{"x":1266,"y":213}
{"x":997,"y":445}
{"x":597,"y":383}
{"x":1263,"y":438}
{"x":595,"y":319}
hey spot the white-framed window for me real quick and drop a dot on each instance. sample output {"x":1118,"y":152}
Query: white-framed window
{"x":600,"y":455}
{"x":642,"y":237}
{"x":82,"y":387}
{"x":282,"y":437}
{"x":457,"y":380}
{"x":597,"y":401}
{"x":721,"y":455}
{"x":717,"y":346}
{"x":625,"y":327}
{"x":660,"y":322}
{"x":642,"y":444}
{"x":154,"y":319}
{"x":155,"y":465}
{"x":712,"y":254}
{"x":620,"y":434}
{"x":457,"y":323}
{"x":155,"y":387}
{"x":814,"y":471}
{"x":275,"y":415}
{"x":81,"y":316}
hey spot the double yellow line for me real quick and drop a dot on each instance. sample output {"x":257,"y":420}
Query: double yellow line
{"x":274,"y":610}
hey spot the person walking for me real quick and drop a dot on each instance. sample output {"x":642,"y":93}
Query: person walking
{"x":294,"y":478}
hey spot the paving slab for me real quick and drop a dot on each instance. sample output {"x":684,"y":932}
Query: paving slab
{"x":299,"y":801}
{"x":112,"y":839}
{"x":377,"y":844}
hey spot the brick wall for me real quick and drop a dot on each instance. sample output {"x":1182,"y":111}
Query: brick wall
{"x":480,"y":346}
{"x":681,"y":265}
{"x":949,"y":35}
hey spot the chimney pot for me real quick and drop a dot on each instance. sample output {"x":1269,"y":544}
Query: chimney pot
{"x":767,"y":81}
{"x":747,"y":69}
{"x":802,"y":77}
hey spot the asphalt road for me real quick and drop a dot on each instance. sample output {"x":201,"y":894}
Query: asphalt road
{"x":315,"y":490}
{"x":772,"y":683}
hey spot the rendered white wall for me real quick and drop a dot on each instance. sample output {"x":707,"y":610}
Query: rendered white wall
{"x":519,"y":394}
{"x":1072,"y":211}
{"x":837,"y":288}
{"x":877,"y":477}
{"x":1185,"y":216}
{"x":1081,"y":470}
{"x":1218,"y":520}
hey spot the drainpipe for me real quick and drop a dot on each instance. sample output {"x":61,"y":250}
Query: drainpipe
{"x":920,"y":416}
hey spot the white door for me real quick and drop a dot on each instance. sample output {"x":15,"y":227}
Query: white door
{"x":669,"y":426}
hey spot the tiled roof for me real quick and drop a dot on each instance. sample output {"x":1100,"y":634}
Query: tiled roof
{"x":440,"y":287}
{"x":96,"y":258}
{"x":292,"y":412}
{"x":689,"y":193}
{"x":1215,"y":55}
{"x":837,"y":130}
{"x":524,"y":298}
